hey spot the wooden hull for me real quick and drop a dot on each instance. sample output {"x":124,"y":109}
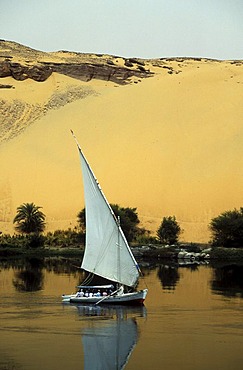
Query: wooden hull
{"x":135,"y":298}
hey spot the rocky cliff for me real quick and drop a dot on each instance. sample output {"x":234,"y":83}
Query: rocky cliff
{"x":21,"y":63}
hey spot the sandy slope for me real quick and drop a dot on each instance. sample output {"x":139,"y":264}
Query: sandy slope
{"x":168,"y":145}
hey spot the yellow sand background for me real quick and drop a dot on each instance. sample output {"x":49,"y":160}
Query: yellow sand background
{"x":168,"y":145}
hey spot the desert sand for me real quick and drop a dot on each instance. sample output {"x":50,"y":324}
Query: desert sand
{"x":170,"y":144}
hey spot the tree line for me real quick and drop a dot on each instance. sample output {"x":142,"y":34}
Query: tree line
{"x":226,"y":229}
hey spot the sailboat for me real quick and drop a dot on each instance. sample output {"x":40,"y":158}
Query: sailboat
{"x":107,"y":252}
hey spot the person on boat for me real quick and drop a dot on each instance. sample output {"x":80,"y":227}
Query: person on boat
{"x":86,"y":293}
{"x":120,"y":291}
{"x":98,"y":294}
{"x":104,"y":293}
{"x":80,"y":293}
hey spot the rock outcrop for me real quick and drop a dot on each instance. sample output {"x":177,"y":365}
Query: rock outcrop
{"x":20,"y":72}
{"x":87,"y":72}
{"x":21,"y":63}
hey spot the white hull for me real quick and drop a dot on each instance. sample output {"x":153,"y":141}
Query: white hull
{"x":135,"y":298}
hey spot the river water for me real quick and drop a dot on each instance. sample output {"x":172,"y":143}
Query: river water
{"x":192,"y":319}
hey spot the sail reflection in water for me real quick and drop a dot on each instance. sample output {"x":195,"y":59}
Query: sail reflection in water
{"x":109,"y":344}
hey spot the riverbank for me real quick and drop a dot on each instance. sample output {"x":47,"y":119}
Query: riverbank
{"x":141,"y":252}
{"x":41,"y":252}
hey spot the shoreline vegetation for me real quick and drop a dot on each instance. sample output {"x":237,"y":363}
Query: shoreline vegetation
{"x":226,"y":243}
{"x":71,"y":244}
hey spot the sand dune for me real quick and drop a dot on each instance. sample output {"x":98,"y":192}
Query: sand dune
{"x":170,"y":144}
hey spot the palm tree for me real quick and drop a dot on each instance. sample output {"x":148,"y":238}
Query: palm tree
{"x":29,"y":219}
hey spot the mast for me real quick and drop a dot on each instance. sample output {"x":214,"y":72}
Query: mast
{"x":118,"y":251}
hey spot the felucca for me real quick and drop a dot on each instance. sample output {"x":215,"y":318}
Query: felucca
{"x":107,"y":252}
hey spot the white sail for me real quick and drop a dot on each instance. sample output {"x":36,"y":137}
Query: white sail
{"x":107,"y":252}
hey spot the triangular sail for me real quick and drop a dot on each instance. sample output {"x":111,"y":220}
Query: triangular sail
{"x":107,"y":252}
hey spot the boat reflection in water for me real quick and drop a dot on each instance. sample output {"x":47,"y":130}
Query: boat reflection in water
{"x":111,"y":336}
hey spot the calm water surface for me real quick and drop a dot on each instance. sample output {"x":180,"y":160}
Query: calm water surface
{"x":192,"y":319}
